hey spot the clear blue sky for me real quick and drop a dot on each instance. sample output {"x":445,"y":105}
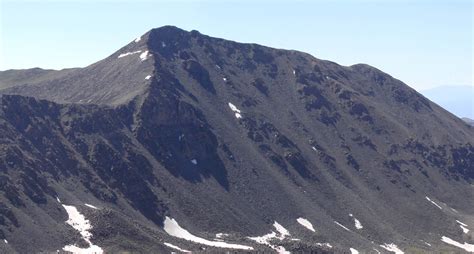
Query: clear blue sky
{"x":423,"y":43}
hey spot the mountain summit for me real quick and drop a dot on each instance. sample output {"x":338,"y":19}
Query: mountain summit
{"x":184,"y":142}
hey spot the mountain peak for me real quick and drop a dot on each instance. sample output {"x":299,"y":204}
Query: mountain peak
{"x":233,"y":140}
{"x":168,"y":29}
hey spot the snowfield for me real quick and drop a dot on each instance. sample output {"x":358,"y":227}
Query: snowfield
{"x":463,"y":227}
{"x":305,"y":223}
{"x":91,"y":206}
{"x":434,"y":203}
{"x":235,"y":110}
{"x":354,"y":251}
{"x":266,"y":239}
{"x":342,"y":226}
{"x":129,"y":53}
{"x":392,"y":247}
{"x":172,"y":227}
{"x":176,"y":247}
{"x":81,"y":224}
{"x":144,"y":55}
{"x":465,"y":246}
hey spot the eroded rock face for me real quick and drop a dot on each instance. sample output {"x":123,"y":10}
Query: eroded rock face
{"x":227,"y":138}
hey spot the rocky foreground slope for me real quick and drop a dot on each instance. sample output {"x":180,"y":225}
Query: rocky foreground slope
{"x":184,"y":142}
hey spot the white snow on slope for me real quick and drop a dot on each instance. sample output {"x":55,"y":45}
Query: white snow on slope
{"x":342,"y":226}
{"x":305,"y":223}
{"x":221,"y":235}
{"x":354,"y":251}
{"x":427,"y":198}
{"x":466,"y":246}
{"x":463,"y":227}
{"x":357,"y":223}
{"x":172,"y":227}
{"x":225,"y":79}
{"x":91,"y":206}
{"x":194,"y":161}
{"x":144,"y":55}
{"x":5,"y":240}
{"x":81,"y":224}
{"x":266,"y":239}
{"x":176,"y":247}
{"x":324,"y":245}
{"x":129,"y":53}
{"x":57,"y":199}
{"x":235,"y":110}
{"x":283,"y":231}
{"x":138,"y":39}
{"x":392,"y":247}
{"x":148,"y":77}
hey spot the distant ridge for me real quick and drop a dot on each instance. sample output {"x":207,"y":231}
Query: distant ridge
{"x":458,"y":100}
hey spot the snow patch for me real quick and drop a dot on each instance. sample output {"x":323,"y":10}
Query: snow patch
{"x":305,"y":223}
{"x":57,"y":199}
{"x":427,"y":198}
{"x":324,"y":245}
{"x":91,"y":206}
{"x":342,"y":226}
{"x":466,"y":246}
{"x":235,"y":110}
{"x":148,"y":77}
{"x":378,"y":252}
{"x":266,"y":239}
{"x":429,"y":244}
{"x":176,"y":247}
{"x":163,"y":44}
{"x":129,"y":53}
{"x":314,"y":148}
{"x":294,"y":72}
{"x":138,"y":39}
{"x":221,"y":235}
{"x":463,"y":227}
{"x":357,"y":224}
{"x":283,"y":231}
{"x":225,"y":79}
{"x":194,"y":161}
{"x":5,"y":240}
{"x":81,"y":224}
{"x":172,"y":227}
{"x":392,"y":247}
{"x":144,"y":55}
{"x":354,"y":251}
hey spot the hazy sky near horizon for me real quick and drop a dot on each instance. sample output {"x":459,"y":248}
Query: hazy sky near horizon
{"x":423,"y":43}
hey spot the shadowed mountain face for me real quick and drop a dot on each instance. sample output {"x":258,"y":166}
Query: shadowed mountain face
{"x":229,"y":138}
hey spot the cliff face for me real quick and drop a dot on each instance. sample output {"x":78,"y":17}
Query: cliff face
{"x":229,"y":138}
